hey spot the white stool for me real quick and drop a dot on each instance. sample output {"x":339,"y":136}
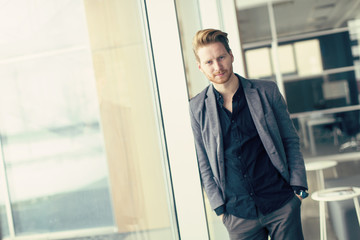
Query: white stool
{"x":319,"y":167}
{"x":335,"y":194}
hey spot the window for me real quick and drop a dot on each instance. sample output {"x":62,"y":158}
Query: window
{"x":259,"y":63}
{"x":81,"y":140}
{"x":286,"y":59}
{"x":308,"y":57}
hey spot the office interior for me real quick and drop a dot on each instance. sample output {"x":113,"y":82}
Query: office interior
{"x":95,"y":134}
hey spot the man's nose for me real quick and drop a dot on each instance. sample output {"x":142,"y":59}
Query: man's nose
{"x":217,"y":66}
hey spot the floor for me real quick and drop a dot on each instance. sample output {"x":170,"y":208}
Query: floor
{"x":310,"y":208}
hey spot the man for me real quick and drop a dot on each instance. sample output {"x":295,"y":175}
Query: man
{"x":247,"y":147}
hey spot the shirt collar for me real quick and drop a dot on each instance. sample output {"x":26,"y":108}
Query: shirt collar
{"x":218,"y":97}
{"x":238,"y":94}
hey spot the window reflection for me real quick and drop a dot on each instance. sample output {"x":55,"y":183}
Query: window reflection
{"x":51,"y":138}
{"x":81,"y":141}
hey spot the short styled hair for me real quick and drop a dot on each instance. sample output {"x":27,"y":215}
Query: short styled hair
{"x":208,"y":36}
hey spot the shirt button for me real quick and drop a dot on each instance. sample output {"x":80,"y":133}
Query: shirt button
{"x":245,"y":176}
{"x":232,"y":121}
{"x":251,"y":194}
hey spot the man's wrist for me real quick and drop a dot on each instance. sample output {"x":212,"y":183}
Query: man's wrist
{"x":302,"y":193}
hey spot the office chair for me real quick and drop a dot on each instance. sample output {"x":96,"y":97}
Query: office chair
{"x":351,"y":127}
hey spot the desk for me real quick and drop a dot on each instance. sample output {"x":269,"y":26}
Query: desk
{"x":317,"y":122}
{"x":335,"y":194}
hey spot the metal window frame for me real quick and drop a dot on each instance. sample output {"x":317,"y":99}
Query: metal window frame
{"x":171,"y":81}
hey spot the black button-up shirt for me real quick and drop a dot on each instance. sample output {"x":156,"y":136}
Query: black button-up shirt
{"x":252,"y":183}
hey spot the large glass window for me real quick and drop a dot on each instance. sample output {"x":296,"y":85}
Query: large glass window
{"x":50,"y":128}
{"x":310,"y":48}
{"x":316,"y":65}
{"x":82,"y":142}
{"x":4,"y":228}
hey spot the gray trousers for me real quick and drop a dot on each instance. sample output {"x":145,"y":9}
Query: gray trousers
{"x":282,"y":224}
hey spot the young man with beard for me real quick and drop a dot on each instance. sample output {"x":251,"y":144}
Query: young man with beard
{"x":248,"y":150}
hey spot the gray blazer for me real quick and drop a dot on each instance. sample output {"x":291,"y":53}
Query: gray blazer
{"x":272,"y":121}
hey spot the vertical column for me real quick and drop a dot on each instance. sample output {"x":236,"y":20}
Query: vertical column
{"x":171,"y":81}
{"x":274,"y":49}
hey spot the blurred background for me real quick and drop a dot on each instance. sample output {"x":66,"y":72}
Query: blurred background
{"x":95,"y":134}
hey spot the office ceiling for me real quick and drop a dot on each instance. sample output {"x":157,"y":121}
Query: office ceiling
{"x":293,"y":17}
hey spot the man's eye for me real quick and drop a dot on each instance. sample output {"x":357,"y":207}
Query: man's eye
{"x":209,"y":62}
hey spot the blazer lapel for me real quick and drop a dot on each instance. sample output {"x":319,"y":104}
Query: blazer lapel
{"x":255,"y":107}
{"x":213,"y":121}
{"x":211,"y":111}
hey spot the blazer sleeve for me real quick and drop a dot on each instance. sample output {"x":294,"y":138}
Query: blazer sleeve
{"x":209,"y":182}
{"x":290,"y":140}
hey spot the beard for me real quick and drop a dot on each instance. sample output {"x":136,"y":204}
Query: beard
{"x":220,"y":77}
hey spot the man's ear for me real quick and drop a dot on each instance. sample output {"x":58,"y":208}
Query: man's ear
{"x":199,"y":66}
{"x":232,"y":56}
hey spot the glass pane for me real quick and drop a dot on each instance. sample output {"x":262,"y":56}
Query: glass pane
{"x":323,"y":91}
{"x":255,"y":34}
{"x":305,"y":16}
{"x":259,"y":63}
{"x":132,"y":128}
{"x":287,"y":62}
{"x":189,"y":23}
{"x":52,"y":141}
{"x":254,"y":24}
{"x":308,"y":57}
{"x":4,"y":228}
{"x":354,"y":32}
{"x":82,"y":140}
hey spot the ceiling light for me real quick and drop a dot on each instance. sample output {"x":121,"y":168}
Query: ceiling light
{"x":245,"y":4}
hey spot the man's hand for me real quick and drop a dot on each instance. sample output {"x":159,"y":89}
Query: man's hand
{"x":299,"y":197}
{"x":221,"y":217}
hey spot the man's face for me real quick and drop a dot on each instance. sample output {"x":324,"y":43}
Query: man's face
{"x":215,"y":62}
